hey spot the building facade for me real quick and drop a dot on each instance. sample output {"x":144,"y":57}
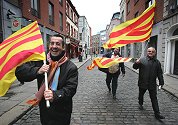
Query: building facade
{"x":84,"y":36}
{"x":95,"y":43}
{"x":102,"y":41}
{"x":170,"y":37}
{"x":72,"y":39}
{"x":53,"y":17}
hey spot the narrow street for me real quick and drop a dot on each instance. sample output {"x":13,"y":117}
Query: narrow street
{"x":93,"y":104}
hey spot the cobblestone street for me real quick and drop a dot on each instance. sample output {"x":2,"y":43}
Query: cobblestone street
{"x":94,"y":105}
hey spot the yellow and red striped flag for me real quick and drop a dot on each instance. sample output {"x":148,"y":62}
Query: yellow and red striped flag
{"x":24,"y":45}
{"x":136,"y":30}
{"x":103,"y":62}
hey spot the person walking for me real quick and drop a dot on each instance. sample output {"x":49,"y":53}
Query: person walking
{"x":63,"y":81}
{"x":149,"y":69}
{"x":113,"y":72}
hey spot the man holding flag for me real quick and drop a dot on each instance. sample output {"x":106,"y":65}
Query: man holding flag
{"x":149,"y":69}
{"x":113,"y":72}
{"x":63,"y":81}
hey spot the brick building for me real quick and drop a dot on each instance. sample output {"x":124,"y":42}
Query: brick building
{"x":51,"y":16}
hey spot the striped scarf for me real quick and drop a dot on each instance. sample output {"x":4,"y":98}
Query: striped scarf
{"x":53,"y":68}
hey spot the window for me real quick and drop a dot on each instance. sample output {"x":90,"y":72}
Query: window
{"x":71,"y":31}
{"x":61,"y":2}
{"x":122,"y":16}
{"x":128,"y":7}
{"x":35,"y":8}
{"x":175,"y":32}
{"x":71,"y":16}
{"x":136,"y":14}
{"x":61,"y":21}
{"x":68,"y":28}
{"x":67,"y":9}
{"x":51,"y":13}
{"x":74,"y":33}
{"x":80,"y":36}
{"x":135,"y":1}
{"x":148,"y":3}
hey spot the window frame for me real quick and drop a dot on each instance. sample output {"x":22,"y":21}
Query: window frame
{"x":51,"y":13}
{"x":61,"y":21}
{"x":35,"y":8}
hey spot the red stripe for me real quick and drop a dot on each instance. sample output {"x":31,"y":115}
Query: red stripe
{"x":29,"y":39}
{"x":126,"y":59}
{"x":146,"y":25}
{"x":19,"y":35}
{"x":18,"y":58}
{"x":19,"y":38}
{"x":119,"y":58}
{"x":106,"y":61}
{"x":128,"y":41}
{"x":138,"y":33}
{"x":131,"y":26}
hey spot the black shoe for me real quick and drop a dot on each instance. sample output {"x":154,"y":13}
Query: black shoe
{"x":114,"y":97}
{"x":158,"y":116}
{"x":141,"y":107}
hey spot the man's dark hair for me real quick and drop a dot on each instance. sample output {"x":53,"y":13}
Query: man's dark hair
{"x":59,"y":35}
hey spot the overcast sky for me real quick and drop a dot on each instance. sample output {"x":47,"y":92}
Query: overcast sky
{"x":97,"y":12}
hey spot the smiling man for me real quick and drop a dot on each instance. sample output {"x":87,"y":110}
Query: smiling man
{"x":63,"y":81}
{"x":149,"y":69}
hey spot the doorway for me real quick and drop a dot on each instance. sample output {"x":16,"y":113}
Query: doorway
{"x":176,"y":59}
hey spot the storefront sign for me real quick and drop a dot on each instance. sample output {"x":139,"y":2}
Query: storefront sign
{"x":16,"y":24}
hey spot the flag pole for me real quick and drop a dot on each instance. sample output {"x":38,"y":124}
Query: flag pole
{"x":46,"y":86}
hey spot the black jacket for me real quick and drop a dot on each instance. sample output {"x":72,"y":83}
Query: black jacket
{"x":121,"y":65}
{"x":67,"y":85}
{"x":149,"y":70}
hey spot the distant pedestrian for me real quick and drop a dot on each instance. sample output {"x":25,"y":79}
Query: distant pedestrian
{"x":113,"y":72}
{"x":149,"y":69}
{"x":63,"y":81}
{"x":94,"y":53}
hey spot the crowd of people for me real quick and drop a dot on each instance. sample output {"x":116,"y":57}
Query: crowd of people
{"x":63,"y":81}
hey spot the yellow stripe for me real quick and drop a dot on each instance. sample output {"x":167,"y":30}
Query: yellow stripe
{"x":4,"y":50}
{"x":124,"y":37}
{"x":21,"y":31}
{"x":29,"y":45}
{"x":146,"y":21}
{"x":9,"y":77}
{"x":126,"y":24}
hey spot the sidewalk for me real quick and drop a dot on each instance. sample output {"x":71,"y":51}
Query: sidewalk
{"x":13,"y":104}
{"x":170,"y":86}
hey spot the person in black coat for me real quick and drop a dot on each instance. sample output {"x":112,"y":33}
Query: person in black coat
{"x":113,"y":76}
{"x":149,"y":69}
{"x":60,"y":92}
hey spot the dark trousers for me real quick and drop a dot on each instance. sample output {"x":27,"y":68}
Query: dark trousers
{"x":153,"y":97}
{"x":112,"y":78}
{"x":64,"y":119}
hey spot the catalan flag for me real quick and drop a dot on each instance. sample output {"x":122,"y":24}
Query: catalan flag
{"x":103,"y":62}
{"x":24,"y":45}
{"x":136,"y":30}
